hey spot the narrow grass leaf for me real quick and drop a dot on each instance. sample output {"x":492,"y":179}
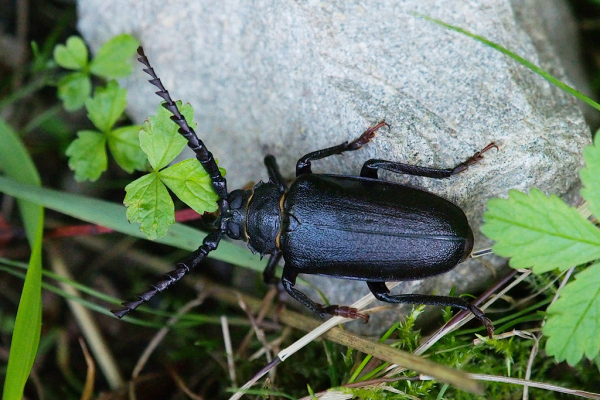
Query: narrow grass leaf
{"x":87,"y":155}
{"x":114,"y":59}
{"x":159,"y":137}
{"x":590,"y":176}
{"x":517,"y":58}
{"x":72,"y":56}
{"x":190,"y":182}
{"x":107,"y":105}
{"x":112,"y":215}
{"x":573,"y":320}
{"x":540,"y":232}
{"x":124,"y":145}
{"x":16,"y":163}
{"x":74,"y":89}
{"x":149,"y":204}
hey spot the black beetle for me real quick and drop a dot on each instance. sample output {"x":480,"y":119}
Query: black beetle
{"x":361,"y":228}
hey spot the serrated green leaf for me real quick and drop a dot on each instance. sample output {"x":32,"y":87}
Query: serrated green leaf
{"x":574,"y":319}
{"x":124,"y":144}
{"x":149,"y":203}
{"x":107,"y":105}
{"x":74,"y":89}
{"x":72,"y":56}
{"x":159,"y":137}
{"x":590,"y":176}
{"x":87,"y":155}
{"x":114,"y":59}
{"x":540,"y":232}
{"x":190,"y":182}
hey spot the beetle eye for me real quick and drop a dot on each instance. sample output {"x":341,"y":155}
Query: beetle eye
{"x":233,"y":230}
{"x":235,"y":199}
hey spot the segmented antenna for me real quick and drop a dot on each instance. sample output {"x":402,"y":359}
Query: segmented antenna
{"x":211,"y":241}
{"x":202,"y":154}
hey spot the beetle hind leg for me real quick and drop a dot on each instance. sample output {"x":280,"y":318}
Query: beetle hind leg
{"x":370,"y":167}
{"x":382,"y":293}
{"x":289,"y":280}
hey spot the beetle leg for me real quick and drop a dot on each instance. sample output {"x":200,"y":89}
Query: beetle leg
{"x":382,"y":293}
{"x":289,"y":280}
{"x":303,"y":164}
{"x":370,"y":167}
{"x":210,"y":243}
{"x":273,"y":171}
{"x":269,"y":272}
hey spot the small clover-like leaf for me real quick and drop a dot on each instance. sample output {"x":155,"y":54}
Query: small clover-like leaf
{"x":87,"y":155}
{"x":72,"y":56}
{"x":74,"y":89}
{"x":590,"y":176}
{"x":113,"y":60}
{"x":159,"y":137}
{"x":124,"y":144}
{"x":540,"y":232}
{"x":573,"y":320}
{"x":107,"y":105}
{"x":190,"y":182}
{"x":149,"y":203}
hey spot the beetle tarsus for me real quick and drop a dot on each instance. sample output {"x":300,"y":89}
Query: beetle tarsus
{"x":346,"y":312}
{"x":474,"y":159}
{"x":477,"y":313}
{"x":366,"y":136}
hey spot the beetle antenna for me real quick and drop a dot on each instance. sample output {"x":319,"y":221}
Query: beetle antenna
{"x":211,"y":241}
{"x":202,"y":154}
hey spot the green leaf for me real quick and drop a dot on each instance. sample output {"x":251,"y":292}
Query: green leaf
{"x":72,"y":56}
{"x":540,"y":232}
{"x":114,"y":57}
{"x":112,"y":215}
{"x":159,"y":137}
{"x":124,"y":144}
{"x":74,"y":89}
{"x":107,"y":105}
{"x":590,"y":176}
{"x":573,"y":320}
{"x":16,"y":162}
{"x":149,"y":203}
{"x":87,"y":155}
{"x":190,"y":182}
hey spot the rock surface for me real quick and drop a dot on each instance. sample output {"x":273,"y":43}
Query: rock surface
{"x":289,"y":77}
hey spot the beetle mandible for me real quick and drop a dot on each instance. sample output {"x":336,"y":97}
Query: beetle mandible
{"x":361,"y":228}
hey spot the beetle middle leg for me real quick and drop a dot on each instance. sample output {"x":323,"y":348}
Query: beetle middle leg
{"x":303,"y":165}
{"x":370,"y":167}
{"x":382,"y":293}
{"x":289,"y":280}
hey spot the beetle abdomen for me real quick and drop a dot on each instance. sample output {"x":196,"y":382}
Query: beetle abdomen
{"x":366,"y":229}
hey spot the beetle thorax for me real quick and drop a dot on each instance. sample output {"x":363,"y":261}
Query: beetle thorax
{"x":262,"y":217}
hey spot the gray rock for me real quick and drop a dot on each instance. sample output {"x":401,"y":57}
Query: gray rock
{"x":289,"y":77}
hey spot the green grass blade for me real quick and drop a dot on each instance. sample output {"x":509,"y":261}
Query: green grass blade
{"x":517,"y":58}
{"x":28,"y":325}
{"x":16,"y":163}
{"x":112,"y":216}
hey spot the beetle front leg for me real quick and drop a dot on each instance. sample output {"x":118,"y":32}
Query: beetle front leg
{"x":370,"y":167}
{"x":303,"y":164}
{"x":382,"y":293}
{"x":288,"y":280}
